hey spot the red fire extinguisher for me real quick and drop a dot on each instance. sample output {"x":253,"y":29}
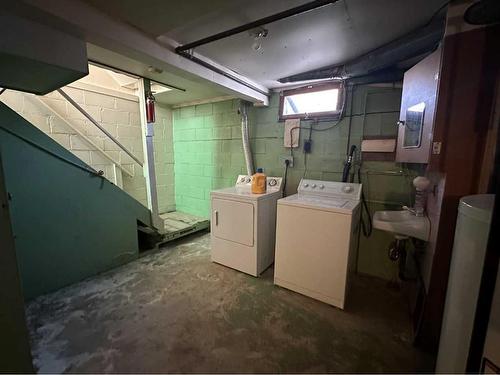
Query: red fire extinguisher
{"x":150,"y":107}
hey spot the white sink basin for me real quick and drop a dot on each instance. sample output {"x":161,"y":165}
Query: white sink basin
{"x":402,"y":223}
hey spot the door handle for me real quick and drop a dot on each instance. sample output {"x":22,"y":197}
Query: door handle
{"x":216,"y":217}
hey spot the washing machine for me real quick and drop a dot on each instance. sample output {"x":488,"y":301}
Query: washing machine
{"x":316,"y":239}
{"x":243,"y":225}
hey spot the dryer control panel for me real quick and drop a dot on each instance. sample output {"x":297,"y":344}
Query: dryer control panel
{"x":273,"y":183}
{"x":331,"y":189}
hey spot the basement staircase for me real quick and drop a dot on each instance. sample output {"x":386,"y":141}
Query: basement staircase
{"x":69,"y":222}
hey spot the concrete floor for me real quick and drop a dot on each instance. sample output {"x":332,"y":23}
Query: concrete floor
{"x":175,"y":311}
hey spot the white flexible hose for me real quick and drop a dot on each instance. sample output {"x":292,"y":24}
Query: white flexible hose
{"x":245,"y":139}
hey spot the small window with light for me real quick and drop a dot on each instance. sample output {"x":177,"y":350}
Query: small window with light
{"x":311,"y":102}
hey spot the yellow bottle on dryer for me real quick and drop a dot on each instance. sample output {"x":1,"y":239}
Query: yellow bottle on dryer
{"x":259,"y":182}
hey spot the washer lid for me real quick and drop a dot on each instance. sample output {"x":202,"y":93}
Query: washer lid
{"x":344,"y":206}
{"x":478,"y":207}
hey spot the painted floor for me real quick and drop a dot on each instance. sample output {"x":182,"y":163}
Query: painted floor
{"x":175,"y":311}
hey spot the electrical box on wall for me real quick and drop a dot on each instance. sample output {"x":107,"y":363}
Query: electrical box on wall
{"x":418,"y":104}
{"x":37,"y":58}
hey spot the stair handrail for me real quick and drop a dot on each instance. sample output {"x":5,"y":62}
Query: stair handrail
{"x":84,"y":136}
{"x":99,"y":126}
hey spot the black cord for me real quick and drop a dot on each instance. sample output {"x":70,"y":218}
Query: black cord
{"x":287,"y":162}
{"x":367,"y":229}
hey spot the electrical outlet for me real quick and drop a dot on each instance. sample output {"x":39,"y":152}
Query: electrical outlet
{"x":307,"y":146}
{"x":285,"y":158}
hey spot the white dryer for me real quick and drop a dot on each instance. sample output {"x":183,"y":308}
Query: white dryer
{"x":243,"y":225}
{"x":316,"y":239}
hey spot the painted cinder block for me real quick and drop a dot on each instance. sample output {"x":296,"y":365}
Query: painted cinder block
{"x":40,"y":121}
{"x":203,"y":109}
{"x":100,"y":100}
{"x":62,"y":139}
{"x":114,"y":117}
{"x":203,"y":134}
{"x":93,"y":111}
{"x":128,"y":132}
{"x":189,"y":123}
{"x":223,"y":107}
{"x":187,"y":112}
{"x":126,"y":105}
{"x":13,"y":99}
{"x":83,"y":155}
{"x":211,"y":121}
{"x":77,"y":142}
{"x":96,"y":157}
{"x":135,"y":119}
{"x":59,"y":126}
{"x":76,"y":94}
{"x":33,"y":106}
{"x":59,"y":105}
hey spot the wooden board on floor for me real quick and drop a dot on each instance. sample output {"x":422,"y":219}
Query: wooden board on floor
{"x":179,"y":224}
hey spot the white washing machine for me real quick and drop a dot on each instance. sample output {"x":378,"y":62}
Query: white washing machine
{"x":316,"y":239}
{"x":243,"y":225}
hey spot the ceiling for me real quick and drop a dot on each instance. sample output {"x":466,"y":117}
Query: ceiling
{"x":190,"y":90}
{"x":329,"y":35}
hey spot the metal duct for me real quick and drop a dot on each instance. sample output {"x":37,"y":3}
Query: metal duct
{"x":413,"y":44}
{"x":245,"y":139}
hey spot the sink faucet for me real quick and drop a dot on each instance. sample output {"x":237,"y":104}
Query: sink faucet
{"x":421,"y":184}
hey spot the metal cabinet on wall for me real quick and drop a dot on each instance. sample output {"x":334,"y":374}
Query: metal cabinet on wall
{"x":418,"y":105}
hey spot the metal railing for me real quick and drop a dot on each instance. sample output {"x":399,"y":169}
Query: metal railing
{"x":99,"y":126}
{"x":83,"y":136}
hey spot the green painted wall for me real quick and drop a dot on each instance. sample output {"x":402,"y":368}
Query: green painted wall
{"x":68,"y":224}
{"x":208,"y":155}
{"x":14,"y":340}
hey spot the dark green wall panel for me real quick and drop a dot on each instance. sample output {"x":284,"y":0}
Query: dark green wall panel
{"x":67,"y":223}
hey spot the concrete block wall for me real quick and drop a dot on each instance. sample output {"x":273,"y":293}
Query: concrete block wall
{"x":209,"y":155}
{"x":164,"y":158}
{"x":119,"y":115}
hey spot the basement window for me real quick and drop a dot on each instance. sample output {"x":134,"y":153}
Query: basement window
{"x":311,"y":102}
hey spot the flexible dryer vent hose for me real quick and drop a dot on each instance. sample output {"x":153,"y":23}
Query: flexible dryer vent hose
{"x":245,"y":139}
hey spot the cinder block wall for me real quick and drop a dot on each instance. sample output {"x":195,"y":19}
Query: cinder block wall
{"x":119,"y":115}
{"x":209,"y":155}
{"x":164,"y":158}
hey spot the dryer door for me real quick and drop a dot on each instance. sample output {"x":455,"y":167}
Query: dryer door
{"x":233,"y":221}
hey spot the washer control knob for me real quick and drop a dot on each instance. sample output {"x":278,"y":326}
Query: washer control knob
{"x":273,"y":182}
{"x":313,"y":186}
{"x":347,"y":189}
{"x":306,"y":185}
{"x":321,"y":186}
{"x":242,"y":179}
{"x":247,"y":180}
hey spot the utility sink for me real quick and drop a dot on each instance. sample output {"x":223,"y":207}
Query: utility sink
{"x":403,"y":223}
